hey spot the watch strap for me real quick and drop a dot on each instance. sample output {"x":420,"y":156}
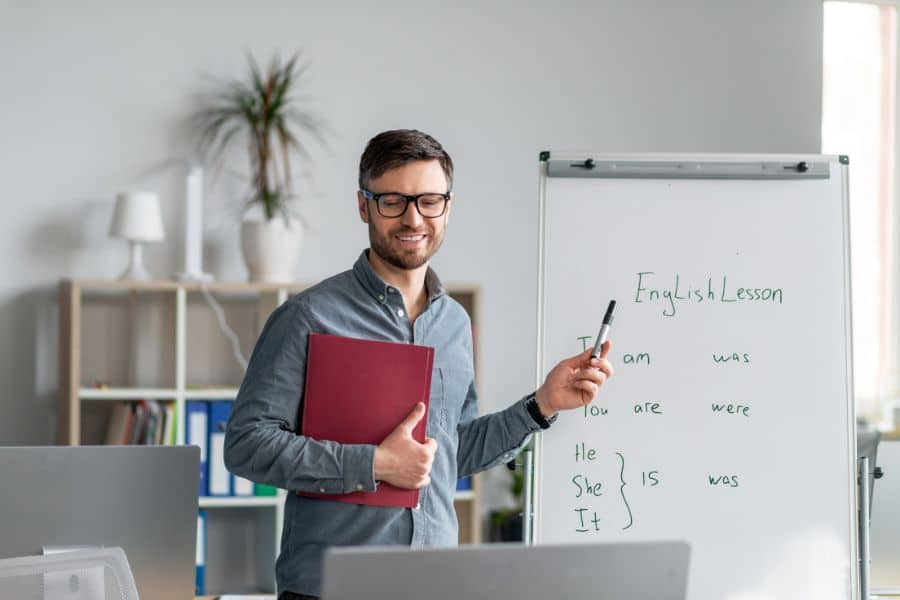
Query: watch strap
{"x":534,"y":410}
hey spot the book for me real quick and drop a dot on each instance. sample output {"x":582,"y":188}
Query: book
{"x":197,"y":417}
{"x":200,"y":558}
{"x":357,"y":392}
{"x":221,"y":482}
{"x":148,"y":435}
{"x":161,"y":424}
{"x":261,"y":489}
{"x":141,"y":414}
{"x":242,"y":487}
{"x":169,"y":434}
{"x":120,"y":421}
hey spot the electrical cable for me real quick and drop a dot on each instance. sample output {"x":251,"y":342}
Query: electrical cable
{"x":223,"y":325}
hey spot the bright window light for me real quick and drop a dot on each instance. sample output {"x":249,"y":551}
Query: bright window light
{"x":858,"y":119}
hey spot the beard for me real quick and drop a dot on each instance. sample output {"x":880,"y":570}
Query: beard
{"x":404,"y":259}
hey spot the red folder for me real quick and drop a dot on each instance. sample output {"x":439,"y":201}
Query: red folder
{"x":357,"y":392}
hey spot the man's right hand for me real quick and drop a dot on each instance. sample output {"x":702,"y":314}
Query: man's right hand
{"x":402,"y":461}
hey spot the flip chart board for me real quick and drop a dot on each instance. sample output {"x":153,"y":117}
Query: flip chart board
{"x":729,"y":421}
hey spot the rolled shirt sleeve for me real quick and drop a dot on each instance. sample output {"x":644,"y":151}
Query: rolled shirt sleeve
{"x":492,"y":439}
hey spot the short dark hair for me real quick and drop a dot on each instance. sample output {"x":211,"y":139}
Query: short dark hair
{"x":391,"y":149}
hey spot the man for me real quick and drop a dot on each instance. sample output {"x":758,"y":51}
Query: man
{"x":391,"y":294}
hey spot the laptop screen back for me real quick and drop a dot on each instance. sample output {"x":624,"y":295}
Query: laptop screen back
{"x":140,"y":498}
{"x":637,"y":571}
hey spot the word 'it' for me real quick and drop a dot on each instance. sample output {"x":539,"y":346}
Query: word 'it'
{"x":584,"y":521}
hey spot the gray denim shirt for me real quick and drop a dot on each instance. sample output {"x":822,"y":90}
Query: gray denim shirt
{"x":261,"y":442}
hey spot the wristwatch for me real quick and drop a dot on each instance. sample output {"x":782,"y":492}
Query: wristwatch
{"x":534,"y":410}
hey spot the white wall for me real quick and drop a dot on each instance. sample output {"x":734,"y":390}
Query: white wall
{"x":94,"y":96}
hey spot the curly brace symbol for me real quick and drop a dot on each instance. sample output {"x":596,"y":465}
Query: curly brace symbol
{"x":622,"y":490}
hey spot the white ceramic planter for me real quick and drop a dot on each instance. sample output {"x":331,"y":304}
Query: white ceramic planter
{"x":271,"y":249}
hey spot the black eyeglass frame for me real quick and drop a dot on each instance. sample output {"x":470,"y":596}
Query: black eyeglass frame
{"x":409,"y":199}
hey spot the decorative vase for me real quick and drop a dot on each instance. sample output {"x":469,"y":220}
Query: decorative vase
{"x":271,"y":249}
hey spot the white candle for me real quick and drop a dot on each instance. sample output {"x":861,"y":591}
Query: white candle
{"x":193,"y":224}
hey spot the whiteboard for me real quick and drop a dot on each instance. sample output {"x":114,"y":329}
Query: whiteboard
{"x":729,"y":421}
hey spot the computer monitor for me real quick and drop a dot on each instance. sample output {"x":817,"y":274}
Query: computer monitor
{"x":636,"y":571}
{"x":884,"y":548}
{"x":140,"y":498}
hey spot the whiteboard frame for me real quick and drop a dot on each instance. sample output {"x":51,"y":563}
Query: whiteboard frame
{"x":718,"y":166}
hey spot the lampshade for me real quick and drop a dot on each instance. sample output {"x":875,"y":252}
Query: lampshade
{"x":137,"y":217}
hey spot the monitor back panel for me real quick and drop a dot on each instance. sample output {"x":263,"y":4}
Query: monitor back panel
{"x":637,"y":571}
{"x":141,"y":498}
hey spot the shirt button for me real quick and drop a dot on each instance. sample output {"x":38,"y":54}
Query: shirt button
{"x":381,"y":297}
{"x":359,"y":486}
{"x":390,"y":290}
{"x":321,"y":490}
{"x":400,"y":312}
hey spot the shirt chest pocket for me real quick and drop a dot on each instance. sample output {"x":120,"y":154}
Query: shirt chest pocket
{"x":449,"y":387}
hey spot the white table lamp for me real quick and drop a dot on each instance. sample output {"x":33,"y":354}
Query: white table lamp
{"x":137,"y":218}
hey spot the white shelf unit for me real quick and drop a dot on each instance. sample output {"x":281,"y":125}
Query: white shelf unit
{"x":128,"y":341}
{"x":128,"y":315}
{"x":212,"y":394}
{"x":235,"y":501}
{"x":121,"y":393}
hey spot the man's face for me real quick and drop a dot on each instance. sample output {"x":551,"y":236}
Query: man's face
{"x":410,"y":240}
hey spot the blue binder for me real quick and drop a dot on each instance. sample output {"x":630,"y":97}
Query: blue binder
{"x":200,"y":561}
{"x":196,"y":427}
{"x":221,"y":482}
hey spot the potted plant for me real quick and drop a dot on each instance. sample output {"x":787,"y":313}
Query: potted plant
{"x":506,"y":523}
{"x":262,"y":115}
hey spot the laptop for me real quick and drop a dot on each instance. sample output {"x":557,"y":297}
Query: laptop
{"x":636,"y":571}
{"x":140,"y":498}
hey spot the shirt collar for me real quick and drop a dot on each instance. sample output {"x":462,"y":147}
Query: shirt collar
{"x":377,"y":286}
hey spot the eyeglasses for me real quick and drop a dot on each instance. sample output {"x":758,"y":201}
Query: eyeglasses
{"x":393,"y":205}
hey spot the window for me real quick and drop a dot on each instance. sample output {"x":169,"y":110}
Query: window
{"x":858,"y":119}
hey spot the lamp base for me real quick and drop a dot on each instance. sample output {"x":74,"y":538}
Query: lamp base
{"x":136,"y":270}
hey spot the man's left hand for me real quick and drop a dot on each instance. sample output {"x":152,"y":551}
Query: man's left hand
{"x":573,"y":382}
